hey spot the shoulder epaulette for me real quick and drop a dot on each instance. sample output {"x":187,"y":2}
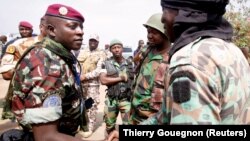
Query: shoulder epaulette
{"x":11,"y":49}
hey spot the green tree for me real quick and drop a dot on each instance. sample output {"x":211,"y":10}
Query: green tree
{"x":238,"y":13}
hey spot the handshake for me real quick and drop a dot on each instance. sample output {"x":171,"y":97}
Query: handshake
{"x":123,"y":75}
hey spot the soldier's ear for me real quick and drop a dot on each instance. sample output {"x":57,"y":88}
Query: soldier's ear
{"x":50,"y":30}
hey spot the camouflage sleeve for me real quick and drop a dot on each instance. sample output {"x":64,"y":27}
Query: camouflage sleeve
{"x":34,"y":80}
{"x":194,"y":97}
{"x":195,"y":84}
{"x":96,"y":72}
{"x":206,"y":84}
{"x":160,"y":118}
{"x":192,"y":91}
{"x":8,"y":61}
{"x":187,"y":100}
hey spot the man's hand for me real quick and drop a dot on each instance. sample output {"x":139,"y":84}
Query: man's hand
{"x":123,"y":75}
{"x":83,"y":77}
{"x":8,"y":75}
{"x":113,"y":136}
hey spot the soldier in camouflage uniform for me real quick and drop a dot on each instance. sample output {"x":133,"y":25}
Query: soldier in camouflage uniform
{"x":148,"y":85}
{"x":91,"y":59}
{"x":15,"y":50}
{"x":46,"y":86}
{"x":25,"y":31}
{"x":146,"y":101}
{"x":208,"y":79}
{"x":12,"y":55}
{"x":117,"y":75}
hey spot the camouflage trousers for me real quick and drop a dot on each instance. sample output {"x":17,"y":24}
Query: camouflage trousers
{"x":112,"y":109}
{"x":7,"y":113}
{"x":93,"y":92}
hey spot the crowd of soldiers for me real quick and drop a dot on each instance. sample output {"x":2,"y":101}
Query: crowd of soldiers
{"x":189,"y":72}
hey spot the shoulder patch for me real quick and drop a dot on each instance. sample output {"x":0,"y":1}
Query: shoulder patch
{"x":181,"y":91}
{"x":10,"y":49}
{"x":52,"y":101}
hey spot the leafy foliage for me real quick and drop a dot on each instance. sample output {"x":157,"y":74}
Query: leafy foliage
{"x":238,"y":13}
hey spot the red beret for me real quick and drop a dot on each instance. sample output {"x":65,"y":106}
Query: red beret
{"x":63,"y":11}
{"x":25,"y":24}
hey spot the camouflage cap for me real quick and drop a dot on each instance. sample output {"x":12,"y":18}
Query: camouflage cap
{"x":94,"y":36}
{"x":115,"y":42}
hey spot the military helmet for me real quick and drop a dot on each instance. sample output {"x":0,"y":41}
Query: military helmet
{"x":115,"y":42}
{"x":155,"y":22}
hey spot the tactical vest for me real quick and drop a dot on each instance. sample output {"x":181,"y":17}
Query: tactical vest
{"x":120,"y":90}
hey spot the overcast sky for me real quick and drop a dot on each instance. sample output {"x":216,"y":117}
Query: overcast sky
{"x":110,"y":19}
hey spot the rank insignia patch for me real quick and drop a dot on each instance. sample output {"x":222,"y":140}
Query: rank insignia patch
{"x":10,"y":49}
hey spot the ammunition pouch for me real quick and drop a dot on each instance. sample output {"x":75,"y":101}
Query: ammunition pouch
{"x":119,"y":92}
{"x":111,"y":92}
{"x":125,"y":92}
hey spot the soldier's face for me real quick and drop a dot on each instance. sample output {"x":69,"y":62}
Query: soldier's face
{"x":69,"y":33}
{"x":25,"y":31}
{"x":93,"y":44}
{"x":116,"y":50}
{"x":155,"y":37}
{"x":167,"y":19}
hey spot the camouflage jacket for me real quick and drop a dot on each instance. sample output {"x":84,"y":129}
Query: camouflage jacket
{"x":15,"y":50}
{"x":91,"y":62}
{"x":208,"y":83}
{"x":142,"y":106}
{"x":45,"y":88}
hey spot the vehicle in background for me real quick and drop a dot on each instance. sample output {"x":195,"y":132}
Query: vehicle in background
{"x":127,"y":52}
